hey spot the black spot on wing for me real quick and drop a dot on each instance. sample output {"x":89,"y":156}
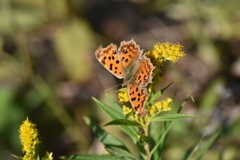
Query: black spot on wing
{"x":133,"y":99}
{"x":111,"y":65}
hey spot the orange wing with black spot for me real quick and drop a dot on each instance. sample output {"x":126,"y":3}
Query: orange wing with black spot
{"x":138,"y":97}
{"x":129,"y":52}
{"x":144,"y":75}
{"x":109,"y":58}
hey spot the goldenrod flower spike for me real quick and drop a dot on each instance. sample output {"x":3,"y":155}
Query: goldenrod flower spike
{"x":29,"y":139}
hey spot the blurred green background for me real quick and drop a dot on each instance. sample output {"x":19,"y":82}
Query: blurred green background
{"x":48,"y":71}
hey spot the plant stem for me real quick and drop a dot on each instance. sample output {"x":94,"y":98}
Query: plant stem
{"x":146,"y":147}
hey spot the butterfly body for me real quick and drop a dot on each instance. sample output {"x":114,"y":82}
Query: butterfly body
{"x":129,"y":74}
{"x":126,"y":63}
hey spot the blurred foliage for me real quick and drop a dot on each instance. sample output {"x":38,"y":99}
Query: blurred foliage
{"x":48,"y":71}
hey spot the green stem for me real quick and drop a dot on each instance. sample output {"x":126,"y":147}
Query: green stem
{"x":146,"y":147}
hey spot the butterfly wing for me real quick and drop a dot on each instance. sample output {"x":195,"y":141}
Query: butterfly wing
{"x":138,"y":97}
{"x":109,"y":58}
{"x":129,"y":52}
{"x":144,"y":74}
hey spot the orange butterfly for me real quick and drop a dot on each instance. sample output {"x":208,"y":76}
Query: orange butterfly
{"x":126,"y":62}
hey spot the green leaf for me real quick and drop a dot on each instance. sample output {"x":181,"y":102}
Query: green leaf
{"x":157,"y":150}
{"x":129,"y":114}
{"x":103,"y":136}
{"x":114,"y":114}
{"x":170,"y":117}
{"x":207,"y":145}
{"x":123,"y":122}
{"x":192,"y":149}
{"x":124,"y":89}
{"x":129,"y":130}
{"x":18,"y":157}
{"x":91,"y":157}
{"x":144,"y":139}
{"x":115,"y":105}
{"x":183,"y":103}
{"x":118,"y":152}
{"x":159,"y":93}
{"x":155,"y":133}
{"x":161,"y":140}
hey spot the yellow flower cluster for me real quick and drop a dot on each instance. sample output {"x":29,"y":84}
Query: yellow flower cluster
{"x":123,"y":95}
{"x":165,"y":51}
{"x":160,"y":107}
{"x":29,"y":139}
{"x":126,"y":110}
{"x":134,"y":117}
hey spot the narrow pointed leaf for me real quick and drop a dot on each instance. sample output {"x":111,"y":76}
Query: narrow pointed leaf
{"x":183,"y":103}
{"x":161,"y":140}
{"x":207,"y":145}
{"x":103,"y":136}
{"x":91,"y":157}
{"x":18,"y":157}
{"x":192,"y":149}
{"x":155,"y":132}
{"x":115,"y":105}
{"x":159,"y":93}
{"x":114,"y":114}
{"x":129,"y":114}
{"x":123,"y":122}
{"x":118,"y":152}
{"x":170,"y":117}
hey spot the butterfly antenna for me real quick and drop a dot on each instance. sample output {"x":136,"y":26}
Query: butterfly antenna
{"x":112,"y":87}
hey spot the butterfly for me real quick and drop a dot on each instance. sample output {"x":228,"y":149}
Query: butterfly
{"x":127,"y":63}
